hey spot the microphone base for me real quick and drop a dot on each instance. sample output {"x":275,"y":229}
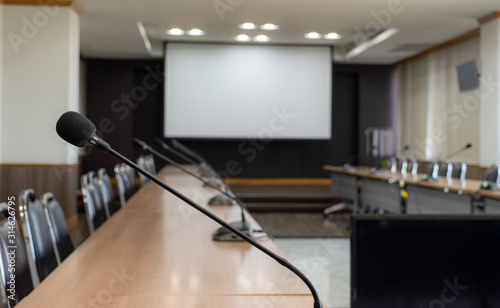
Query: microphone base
{"x":205,"y":170}
{"x":220,"y":200}
{"x":224,"y":235}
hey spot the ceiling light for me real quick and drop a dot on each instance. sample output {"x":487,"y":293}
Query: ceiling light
{"x":247,"y":26}
{"x":175,"y":31}
{"x":261,"y":38}
{"x":269,"y":27}
{"x":332,"y":36}
{"x":242,"y":37}
{"x":312,"y":35}
{"x":196,"y":32}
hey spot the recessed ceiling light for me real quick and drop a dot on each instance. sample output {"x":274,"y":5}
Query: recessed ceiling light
{"x":261,"y":38}
{"x":247,"y":26}
{"x":242,"y":37}
{"x":269,"y":27}
{"x":332,"y":36}
{"x":312,"y":35}
{"x":175,"y":31}
{"x":196,"y":32}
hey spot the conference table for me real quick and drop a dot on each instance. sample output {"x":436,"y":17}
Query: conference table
{"x":383,"y":189}
{"x":158,"y":252}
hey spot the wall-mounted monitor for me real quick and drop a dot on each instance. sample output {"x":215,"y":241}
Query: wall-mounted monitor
{"x":239,"y":91}
{"x":467,"y":76}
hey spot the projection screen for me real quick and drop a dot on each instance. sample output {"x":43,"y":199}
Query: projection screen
{"x":224,"y":91}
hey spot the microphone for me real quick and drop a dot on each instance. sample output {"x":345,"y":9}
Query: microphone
{"x":203,"y":162}
{"x":404,"y":149}
{"x":221,"y":234}
{"x":462,"y":149}
{"x":78,"y":130}
{"x":203,"y":169}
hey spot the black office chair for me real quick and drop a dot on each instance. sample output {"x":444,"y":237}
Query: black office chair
{"x":24,"y":282}
{"x":459,"y":170}
{"x":431,"y":172}
{"x":402,"y":165}
{"x":94,"y":209}
{"x":125,"y":177}
{"x":445,"y":169}
{"x":108,"y":193}
{"x":492,"y":177}
{"x":412,"y":167}
{"x":392,"y":164}
{"x":57,"y":223}
{"x":37,"y":237}
{"x":141,"y":161}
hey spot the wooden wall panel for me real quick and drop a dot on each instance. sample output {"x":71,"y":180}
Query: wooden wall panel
{"x":61,"y":180}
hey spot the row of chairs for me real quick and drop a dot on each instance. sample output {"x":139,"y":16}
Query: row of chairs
{"x":45,"y":241}
{"x":99,"y":195}
{"x":44,"y":244}
{"x":434,"y":169}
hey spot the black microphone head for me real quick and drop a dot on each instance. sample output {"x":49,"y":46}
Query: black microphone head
{"x":406,"y":148}
{"x":75,"y":128}
{"x":468,"y":145}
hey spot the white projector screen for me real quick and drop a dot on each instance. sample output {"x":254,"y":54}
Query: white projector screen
{"x":225,"y":91}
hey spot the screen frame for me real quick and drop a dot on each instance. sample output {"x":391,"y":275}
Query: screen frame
{"x":237,"y":139}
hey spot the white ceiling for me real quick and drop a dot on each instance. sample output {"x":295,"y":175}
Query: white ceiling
{"x":109,"y":27}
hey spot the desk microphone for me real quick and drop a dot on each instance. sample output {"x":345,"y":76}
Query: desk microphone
{"x":464,"y":148}
{"x":222,"y":234}
{"x":404,"y":149}
{"x":78,"y":130}
{"x":204,"y":165}
{"x":204,"y":170}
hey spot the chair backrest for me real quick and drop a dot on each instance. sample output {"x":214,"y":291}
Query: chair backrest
{"x":492,"y":174}
{"x":57,"y":223}
{"x":108,"y":194}
{"x":432,"y":170}
{"x":37,"y":237}
{"x":24,"y":281}
{"x":141,"y":161}
{"x":150,"y":164}
{"x":392,"y":164}
{"x":402,"y":166}
{"x":125,"y":176}
{"x":412,"y":167}
{"x":459,"y":170}
{"x":445,"y":169}
{"x":94,"y":209}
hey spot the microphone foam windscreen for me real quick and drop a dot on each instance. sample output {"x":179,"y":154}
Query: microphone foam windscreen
{"x":75,"y":128}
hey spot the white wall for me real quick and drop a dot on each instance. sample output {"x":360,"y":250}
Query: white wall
{"x":40,"y":82}
{"x":1,"y":75}
{"x":434,"y":117}
{"x":490,"y":92}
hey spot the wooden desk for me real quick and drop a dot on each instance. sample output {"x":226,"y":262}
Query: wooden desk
{"x":158,"y":252}
{"x":444,"y":196}
{"x":491,"y":200}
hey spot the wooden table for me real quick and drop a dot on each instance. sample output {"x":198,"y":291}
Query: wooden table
{"x":443,"y":196}
{"x":158,"y":252}
{"x":491,"y":200}
{"x":382,"y":189}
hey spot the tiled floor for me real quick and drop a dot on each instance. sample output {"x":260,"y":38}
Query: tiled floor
{"x":326,"y":262}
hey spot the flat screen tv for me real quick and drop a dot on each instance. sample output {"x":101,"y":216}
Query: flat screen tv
{"x":425,"y":261}
{"x":467,"y":76}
